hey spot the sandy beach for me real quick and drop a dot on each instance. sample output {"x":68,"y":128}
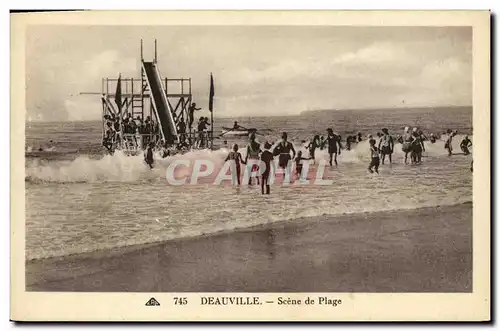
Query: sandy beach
{"x":419,"y":250}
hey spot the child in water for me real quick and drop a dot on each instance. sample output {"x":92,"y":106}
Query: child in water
{"x":236,"y":157}
{"x":375,"y":158}
{"x":266,"y":157}
{"x":298,"y":163}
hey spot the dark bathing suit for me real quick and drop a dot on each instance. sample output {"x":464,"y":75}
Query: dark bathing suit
{"x":284,"y":153}
{"x":332,"y":143}
{"x":149,"y":157}
{"x":417,"y":144}
{"x":266,"y":157}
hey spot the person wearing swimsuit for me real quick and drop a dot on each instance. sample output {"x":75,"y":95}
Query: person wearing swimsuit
{"x":253,"y":151}
{"x":109,"y":138}
{"x":148,"y":157}
{"x":407,"y":143}
{"x":333,"y":140}
{"x":465,"y":145}
{"x":298,"y":163}
{"x":375,"y":158}
{"x":236,"y":157}
{"x":283,"y":152}
{"x":313,"y":145}
{"x":447,"y":144}
{"x":266,"y":157}
{"x":191,"y":111}
{"x":386,"y":145}
{"x":417,"y":147}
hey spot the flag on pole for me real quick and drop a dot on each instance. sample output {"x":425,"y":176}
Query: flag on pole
{"x":118,"y":94}
{"x":212,"y":93}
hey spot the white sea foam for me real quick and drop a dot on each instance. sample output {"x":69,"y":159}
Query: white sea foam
{"x":122,"y":168}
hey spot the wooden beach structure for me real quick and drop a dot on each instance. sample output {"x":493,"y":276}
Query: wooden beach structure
{"x":160,"y":101}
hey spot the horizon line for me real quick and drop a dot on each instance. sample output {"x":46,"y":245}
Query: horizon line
{"x":299,"y":114}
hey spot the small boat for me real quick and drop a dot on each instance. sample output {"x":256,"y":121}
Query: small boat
{"x":239,"y":132}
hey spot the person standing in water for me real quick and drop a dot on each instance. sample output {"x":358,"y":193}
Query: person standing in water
{"x":322,"y":143}
{"x":448,"y":142}
{"x":266,"y":157}
{"x":313,"y":145}
{"x":236,"y":157}
{"x":148,"y":157}
{"x":465,"y":145}
{"x":253,"y":151}
{"x":360,"y":137}
{"x":417,"y":147}
{"x":407,"y":143}
{"x":298,"y":163}
{"x":374,"y":155}
{"x":333,"y":140}
{"x":109,"y":138}
{"x":386,"y":145}
{"x":283,"y":151}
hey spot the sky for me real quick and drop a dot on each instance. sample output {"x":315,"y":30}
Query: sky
{"x":258,"y":70}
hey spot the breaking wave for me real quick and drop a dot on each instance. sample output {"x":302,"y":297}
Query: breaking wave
{"x":123,"y":168}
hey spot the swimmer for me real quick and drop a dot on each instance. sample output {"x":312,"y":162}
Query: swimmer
{"x":236,"y":157}
{"x":333,"y":140}
{"x":386,"y":145}
{"x":375,"y":158}
{"x":283,"y":152}
{"x":465,"y":145}
{"x":253,"y":151}
{"x":266,"y":157}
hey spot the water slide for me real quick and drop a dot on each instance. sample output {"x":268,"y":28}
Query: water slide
{"x":160,"y":104}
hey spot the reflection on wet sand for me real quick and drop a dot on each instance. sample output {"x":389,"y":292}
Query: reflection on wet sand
{"x":405,"y":251}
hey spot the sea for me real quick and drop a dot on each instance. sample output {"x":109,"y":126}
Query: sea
{"x":80,"y":200}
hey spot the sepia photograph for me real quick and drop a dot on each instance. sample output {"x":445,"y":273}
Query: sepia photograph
{"x":251,"y":158}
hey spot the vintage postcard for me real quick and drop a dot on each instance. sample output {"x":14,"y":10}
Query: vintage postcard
{"x":250,"y":166}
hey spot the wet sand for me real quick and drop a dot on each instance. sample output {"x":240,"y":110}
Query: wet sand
{"x":420,"y":250}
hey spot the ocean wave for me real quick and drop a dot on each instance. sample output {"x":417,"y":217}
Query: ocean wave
{"x":122,"y":168}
